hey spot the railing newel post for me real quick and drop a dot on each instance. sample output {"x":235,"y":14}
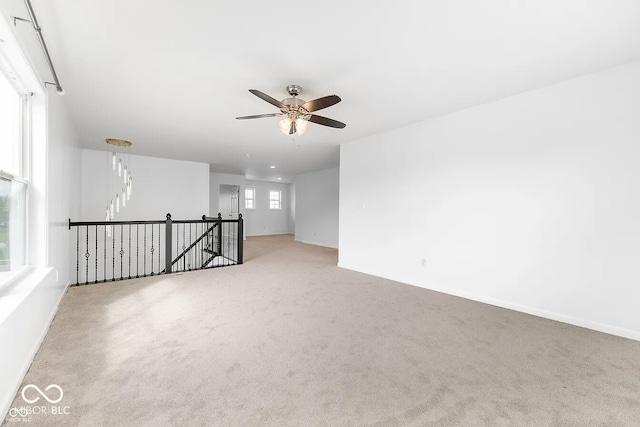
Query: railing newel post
{"x":167,"y":242}
{"x":219,"y":244}
{"x":240,"y":239}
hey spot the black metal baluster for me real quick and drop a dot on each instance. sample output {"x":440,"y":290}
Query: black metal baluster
{"x":129,"y":269}
{"x":113,"y":254}
{"x":152,"y":249}
{"x":159,"y":248}
{"x":137,"y":250}
{"x":121,"y":250}
{"x":104,"y":253}
{"x":87,"y":255}
{"x":144,"y":253}
{"x":195,"y":248}
{"x":77,"y":256}
{"x":96,"y":278}
{"x":204,"y":255}
{"x":206,"y":243}
{"x":177,"y":234}
{"x":184,"y":256}
{"x":190,"y":251}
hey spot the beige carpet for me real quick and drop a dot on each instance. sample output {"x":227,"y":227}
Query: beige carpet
{"x":290,"y":339}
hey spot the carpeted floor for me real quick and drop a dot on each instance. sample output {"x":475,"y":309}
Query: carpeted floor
{"x":290,"y":339}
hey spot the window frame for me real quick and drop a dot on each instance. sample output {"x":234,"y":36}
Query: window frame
{"x":251,"y":199}
{"x":277,"y":200}
{"x":17,"y":265}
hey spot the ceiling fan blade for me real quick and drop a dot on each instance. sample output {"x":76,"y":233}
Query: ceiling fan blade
{"x":258,"y":116}
{"x":267,"y":98}
{"x":326,"y":121}
{"x":320,"y":103}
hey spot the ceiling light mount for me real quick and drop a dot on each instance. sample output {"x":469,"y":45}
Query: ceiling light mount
{"x":294,"y":90}
{"x":118,"y":142}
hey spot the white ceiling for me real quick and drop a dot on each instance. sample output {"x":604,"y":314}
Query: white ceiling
{"x":171,"y":76}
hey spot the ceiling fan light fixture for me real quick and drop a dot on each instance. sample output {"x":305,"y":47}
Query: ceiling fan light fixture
{"x":285,"y":125}
{"x":301,"y":126}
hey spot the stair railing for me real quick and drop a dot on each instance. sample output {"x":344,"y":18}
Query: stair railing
{"x":120,"y":250}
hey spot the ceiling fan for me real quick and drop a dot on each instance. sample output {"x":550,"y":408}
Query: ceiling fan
{"x":296,"y":112}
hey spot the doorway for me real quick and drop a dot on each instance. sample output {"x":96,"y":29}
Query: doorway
{"x":228,"y":201}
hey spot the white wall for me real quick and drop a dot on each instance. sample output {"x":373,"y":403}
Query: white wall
{"x":161,"y":186}
{"x":530,"y":202}
{"x":64,"y":189}
{"x":292,"y":206}
{"x":27,"y":310}
{"x":316,"y":207}
{"x":262,"y":220}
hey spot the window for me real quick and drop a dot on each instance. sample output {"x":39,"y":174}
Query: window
{"x":274,"y":199}
{"x":249,"y":198}
{"x":13,"y":182}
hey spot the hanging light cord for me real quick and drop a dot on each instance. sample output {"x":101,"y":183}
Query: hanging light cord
{"x":38,"y":30}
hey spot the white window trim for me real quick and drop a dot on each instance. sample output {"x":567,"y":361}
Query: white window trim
{"x":279,"y":208}
{"x":22,"y":175}
{"x":32,"y":171}
{"x":253,"y":199}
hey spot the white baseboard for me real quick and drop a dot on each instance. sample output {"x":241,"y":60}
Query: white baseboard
{"x":571,"y":320}
{"x":269,"y":234}
{"x":316,"y":244}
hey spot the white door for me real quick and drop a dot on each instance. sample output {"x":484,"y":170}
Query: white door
{"x":228,"y":201}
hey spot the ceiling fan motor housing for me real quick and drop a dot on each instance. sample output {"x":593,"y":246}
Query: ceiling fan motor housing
{"x":294,"y":90}
{"x":293,"y":102}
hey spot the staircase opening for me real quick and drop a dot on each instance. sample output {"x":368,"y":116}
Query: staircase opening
{"x":119,"y":250}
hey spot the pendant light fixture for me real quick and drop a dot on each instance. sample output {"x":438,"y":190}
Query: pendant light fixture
{"x":120,"y":166}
